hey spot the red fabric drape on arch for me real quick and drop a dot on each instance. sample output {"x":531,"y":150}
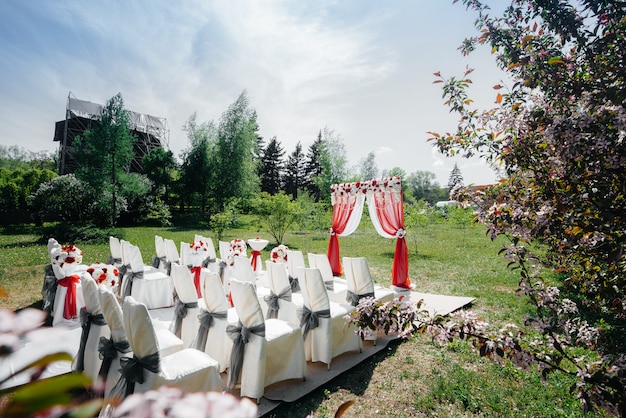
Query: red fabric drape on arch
{"x":386,"y":209}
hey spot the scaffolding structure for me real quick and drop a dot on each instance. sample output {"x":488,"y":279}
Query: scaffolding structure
{"x":81,"y":115}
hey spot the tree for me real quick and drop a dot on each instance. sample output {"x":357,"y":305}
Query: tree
{"x":271,"y":167}
{"x":558,"y":133}
{"x":277,"y":212}
{"x":295,"y":172}
{"x":368,"y":169}
{"x":313,"y":167}
{"x":333,"y":162}
{"x":237,"y":141}
{"x":422,"y":185}
{"x":158,"y":165}
{"x":456,"y":178}
{"x":104,"y":153}
{"x":199,"y":167}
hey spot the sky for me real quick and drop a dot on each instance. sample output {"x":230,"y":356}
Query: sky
{"x":361,"y":68}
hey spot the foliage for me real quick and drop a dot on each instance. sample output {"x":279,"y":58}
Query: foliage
{"x":271,"y":167}
{"x":13,"y":157}
{"x":78,"y":233}
{"x":333,"y":161}
{"x":235,"y":170}
{"x":455,"y":180}
{"x":367,"y":169}
{"x":313,"y":167}
{"x":224,"y":220}
{"x":64,"y":198}
{"x":103,"y":155}
{"x":16,"y":187}
{"x":422,"y":185}
{"x":277,"y":213}
{"x":158,"y":165}
{"x":295,"y":174}
{"x":558,"y":133}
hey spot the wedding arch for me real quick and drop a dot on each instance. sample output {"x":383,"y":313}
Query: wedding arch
{"x":386,"y":209}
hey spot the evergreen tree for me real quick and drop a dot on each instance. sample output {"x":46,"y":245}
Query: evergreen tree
{"x":271,"y":167}
{"x":237,"y":143}
{"x":313,"y":167}
{"x":295,"y":172}
{"x":456,"y":178}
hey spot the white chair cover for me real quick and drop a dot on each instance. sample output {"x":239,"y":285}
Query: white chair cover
{"x":168,"y":343}
{"x":94,"y":326}
{"x":190,"y":370}
{"x":154,"y":289}
{"x":281,"y":295}
{"x":160,"y":261}
{"x":336,"y":286}
{"x":186,"y":307}
{"x":53,"y":247}
{"x":242,"y":270}
{"x":360,"y":283}
{"x":333,"y":336}
{"x":295,"y":259}
{"x":216,"y":316}
{"x":116,"y":252}
{"x":224,"y":248}
{"x":170,"y":251}
{"x":67,"y":275}
{"x":276,"y":355}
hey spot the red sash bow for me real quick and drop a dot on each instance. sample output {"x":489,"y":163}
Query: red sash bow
{"x":69,"y":308}
{"x":196,"y":270}
{"x":255,"y":255}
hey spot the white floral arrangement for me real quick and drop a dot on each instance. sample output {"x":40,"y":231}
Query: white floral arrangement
{"x":67,"y":254}
{"x":104,"y":274}
{"x":238,"y":248}
{"x":376,"y":186}
{"x":199,"y":251}
{"x":279,"y":254}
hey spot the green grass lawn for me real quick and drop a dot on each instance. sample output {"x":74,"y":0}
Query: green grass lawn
{"x":410,"y":378}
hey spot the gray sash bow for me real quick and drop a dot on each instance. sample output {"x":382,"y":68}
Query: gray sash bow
{"x":86,"y":319}
{"x":114,"y":261}
{"x":294,"y":283}
{"x":222,"y":268}
{"x":330,"y":285}
{"x":272,"y":301}
{"x":354,"y":299}
{"x":132,"y":372}
{"x":206,"y":319}
{"x":180,"y":312}
{"x":207,"y":261}
{"x":49,"y":289}
{"x":108,"y":349}
{"x":240,"y":336}
{"x":129,"y":286}
{"x":311,"y":320}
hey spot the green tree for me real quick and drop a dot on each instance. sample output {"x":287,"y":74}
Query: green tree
{"x":313,"y":167}
{"x":198,"y":169}
{"x":277,"y":213}
{"x":558,"y":133}
{"x":456,"y":178}
{"x":333,"y":161}
{"x":104,"y":153}
{"x":422,"y":185}
{"x":271,"y":167}
{"x":235,"y":166}
{"x":158,"y":165}
{"x":295,"y":174}
{"x":368,"y":169}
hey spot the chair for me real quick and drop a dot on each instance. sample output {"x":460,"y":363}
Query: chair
{"x":68,"y":298}
{"x":295,"y":259}
{"x":224,"y":247}
{"x":264,"y":351}
{"x":118,"y":345}
{"x":360,"y":284}
{"x":333,"y":336}
{"x":335,"y":286}
{"x":155,"y":289}
{"x":213,"y":319}
{"x":185,"y":324}
{"x":115,"y":247}
{"x":189,"y":370}
{"x":171,"y":252}
{"x":160,"y":261}
{"x":282,"y":303}
{"x":242,"y":270}
{"x":94,"y":327}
